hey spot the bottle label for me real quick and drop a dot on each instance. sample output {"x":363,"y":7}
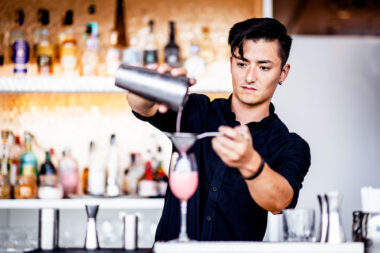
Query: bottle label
{"x":45,"y":64}
{"x":112,"y":60}
{"x":150,"y":57}
{"x":172,"y":57}
{"x":68,"y":56}
{"x":20,"y":56}
{"x":28,"y":170}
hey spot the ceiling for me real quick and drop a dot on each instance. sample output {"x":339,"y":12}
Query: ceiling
{"x":329,"y":17}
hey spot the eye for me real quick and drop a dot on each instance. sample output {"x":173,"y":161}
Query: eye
{"x":241,"y":64}
{"x":264,"y":68}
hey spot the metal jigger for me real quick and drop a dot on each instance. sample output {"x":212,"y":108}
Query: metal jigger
{"x":91,"y":241}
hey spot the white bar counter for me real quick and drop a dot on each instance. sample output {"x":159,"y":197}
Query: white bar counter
{"x":79,"y":203}
{"x":257,"y":247}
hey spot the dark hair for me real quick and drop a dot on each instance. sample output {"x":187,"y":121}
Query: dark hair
{"x":260,"y":28}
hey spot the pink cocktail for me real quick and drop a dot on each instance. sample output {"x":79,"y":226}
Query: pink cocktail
{"x":183,"y":184}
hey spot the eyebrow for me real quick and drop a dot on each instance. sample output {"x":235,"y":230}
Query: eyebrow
{"x":259,"y":61}
{"x":265,"y":61}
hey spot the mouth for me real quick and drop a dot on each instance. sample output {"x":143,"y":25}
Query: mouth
{"x":248,"y":88}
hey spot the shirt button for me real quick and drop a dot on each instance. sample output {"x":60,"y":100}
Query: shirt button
{"x":208,"y":218}
{"x":214,"y":189}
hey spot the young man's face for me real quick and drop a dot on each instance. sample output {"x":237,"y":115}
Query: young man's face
{"x":255,"y":79}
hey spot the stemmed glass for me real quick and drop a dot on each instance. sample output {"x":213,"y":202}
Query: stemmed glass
{"x":183,"y":182}
{"x":183,"y":176}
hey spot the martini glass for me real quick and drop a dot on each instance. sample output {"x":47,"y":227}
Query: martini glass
{"x":183,"y":177}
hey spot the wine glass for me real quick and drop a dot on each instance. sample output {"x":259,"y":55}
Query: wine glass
{"x":183,"y":182}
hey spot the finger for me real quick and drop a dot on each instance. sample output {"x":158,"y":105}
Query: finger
{"x":228,"y":132}
{"x":244,"y":131}
{"x":153,"y":66}
{"x":225,"y":154}
{"x":162,"y":108}
{"x":227,"y":142}
{"x":178,"y":72}
{"x":164,"y":68}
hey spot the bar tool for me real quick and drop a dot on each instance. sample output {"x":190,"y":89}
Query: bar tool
{"x":161,"y":88}
{"x":91,"y":241}
{"x":48,"y":227}
{"x":130,"y":231}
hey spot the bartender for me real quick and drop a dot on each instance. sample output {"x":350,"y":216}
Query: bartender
{"x":256,"y":165}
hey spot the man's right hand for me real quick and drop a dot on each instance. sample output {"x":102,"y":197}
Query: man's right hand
{"x":148,"y":108}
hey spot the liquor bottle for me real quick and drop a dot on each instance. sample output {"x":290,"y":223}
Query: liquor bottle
{"x":134,"y":172}
{"x":68,"y":173}
{"x":68,"y":46}
{"x":160,"y":175}
{"x":44,"y":48}
{"x":15,"y":154}
{"x":1,"y":49}
{"x":49,"y":185}
{"x":96,"y":175}
{"x":207,"y":50}
{"x":113,"y":57}
{"x":5,"y":186}
{"x":147,"y":186}
{"x":172,"y":49}
{"x":26,"y":185}
{"x":112,"y":187}
{"x":90,"y":57}
{"x":19,"y":46}
{"x":86,"y":168}
{"x":194,"y":64}
{"x":150,"y":55}
{"x":132,"y":55}
{"x":120,"y":27}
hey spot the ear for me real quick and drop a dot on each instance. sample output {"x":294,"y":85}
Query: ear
{"x":230,"y":63}
{"x":284,"y":73}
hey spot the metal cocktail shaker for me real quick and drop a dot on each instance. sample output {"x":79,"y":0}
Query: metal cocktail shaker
{"x":160,"y":88}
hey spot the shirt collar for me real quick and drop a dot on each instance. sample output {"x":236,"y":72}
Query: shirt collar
{"x":231,"y":117}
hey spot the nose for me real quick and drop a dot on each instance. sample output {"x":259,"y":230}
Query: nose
{"x":250,"y":76}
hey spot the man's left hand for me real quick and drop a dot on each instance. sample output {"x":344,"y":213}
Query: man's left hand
{"x":234,"y":147}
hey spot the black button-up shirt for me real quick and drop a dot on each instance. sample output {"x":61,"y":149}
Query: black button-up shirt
{"x":222,"y":207}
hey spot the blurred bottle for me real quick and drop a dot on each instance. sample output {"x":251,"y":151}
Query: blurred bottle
{"x":194,"y":64}
{"x":90,"y":57}
{"x":19,"y":45}
{"x":2,"y":49}
{"x":150,"y":55}
{"x":113,"y":57}
{"x":207,"y":50}
{"x":112,"y":187}
{"x":96,"y":175}
{"x":86,"y":169}
{"x":49,"y":185}
{"x":26,"y":185}
{"x":15,"y":153}
{"x":5,"y":163}
{"x":68,"y":173}
{"x":132,"y":55}
{"x":133,"y":173}
{"x":172,"y":49}
{"x":146,"y":185}
{"x":68,"y":46}
{"x":160,"y":175}
{"x":44,"y":48}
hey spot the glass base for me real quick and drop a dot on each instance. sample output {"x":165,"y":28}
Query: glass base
{"x":183,"y":239}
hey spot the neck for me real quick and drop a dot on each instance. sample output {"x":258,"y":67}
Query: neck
{"x":249,"y":113}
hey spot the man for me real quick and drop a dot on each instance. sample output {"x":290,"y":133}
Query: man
{"x":256,"y":165}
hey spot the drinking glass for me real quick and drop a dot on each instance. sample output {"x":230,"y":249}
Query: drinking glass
{"x":183,"y":182}
{"x":299,"y":225}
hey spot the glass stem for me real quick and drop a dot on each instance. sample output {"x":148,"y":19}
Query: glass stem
{"x":183,"y":232}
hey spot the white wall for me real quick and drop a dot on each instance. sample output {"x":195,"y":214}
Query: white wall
{"x":332,"y":99}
